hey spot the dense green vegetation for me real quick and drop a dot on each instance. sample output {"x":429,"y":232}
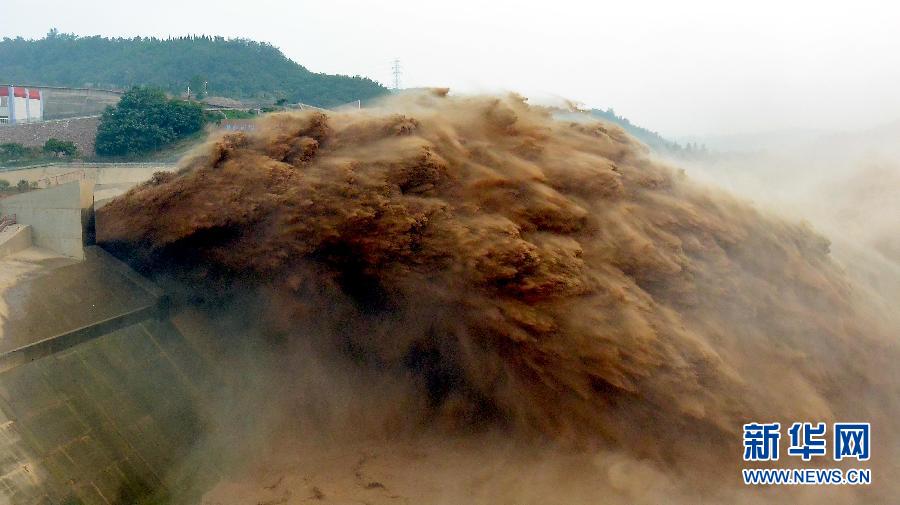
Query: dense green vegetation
{"x":235,"y":68}
{"x":145,"y":120}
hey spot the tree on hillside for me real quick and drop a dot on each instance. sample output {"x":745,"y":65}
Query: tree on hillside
{"x":146,"y":120}
{"x":198,"y":87}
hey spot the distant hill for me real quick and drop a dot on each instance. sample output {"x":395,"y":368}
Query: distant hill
{"x":653,"y":139}
{"x":235,"y":68}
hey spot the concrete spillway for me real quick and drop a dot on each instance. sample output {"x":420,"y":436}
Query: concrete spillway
{"x":73,"y":305}
{"x":100,"y":393}
{"x":98,"y":390}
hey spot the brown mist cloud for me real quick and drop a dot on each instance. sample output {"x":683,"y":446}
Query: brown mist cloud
{"x":524,"y":272}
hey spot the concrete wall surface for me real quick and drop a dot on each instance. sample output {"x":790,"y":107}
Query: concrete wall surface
{"x":123,"y":417}
{"x":110,"y":179}
{"x":101,"y":423}
{"x":57,"y":215}
{"x":100,"y":173}
{"x":14,"y":238}
{"x":120,"y":417}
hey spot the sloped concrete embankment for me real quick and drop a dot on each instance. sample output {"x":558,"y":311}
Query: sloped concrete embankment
{"x":100,"y":395}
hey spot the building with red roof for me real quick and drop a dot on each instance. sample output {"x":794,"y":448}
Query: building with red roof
{"x":19,"y":104}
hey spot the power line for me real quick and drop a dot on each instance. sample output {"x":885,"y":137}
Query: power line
{"x":397,"y":71}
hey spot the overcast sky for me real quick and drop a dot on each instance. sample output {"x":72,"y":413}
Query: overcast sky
{"x":682,"y":68}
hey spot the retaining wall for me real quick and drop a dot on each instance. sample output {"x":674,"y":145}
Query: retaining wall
{"x":81,"y":131}
{"x":100,"y":173}
{"x":58,"y":215}
{"x":74,"y":102}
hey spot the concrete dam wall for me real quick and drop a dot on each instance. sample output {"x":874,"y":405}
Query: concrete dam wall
{"x":110,"y":179}
{"x":58,"y":215}
{"x":99,"y":424}
{"x":100,"y":395}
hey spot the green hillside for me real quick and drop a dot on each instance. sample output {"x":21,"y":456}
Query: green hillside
{"x":235,"y":68}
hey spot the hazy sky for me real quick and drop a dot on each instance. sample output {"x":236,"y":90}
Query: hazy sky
{"x":682,"y":68}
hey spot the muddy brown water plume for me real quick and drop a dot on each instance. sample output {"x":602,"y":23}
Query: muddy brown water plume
{"x":544,"y":274}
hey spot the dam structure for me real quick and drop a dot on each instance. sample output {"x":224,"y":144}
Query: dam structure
{"x":100,"y":393}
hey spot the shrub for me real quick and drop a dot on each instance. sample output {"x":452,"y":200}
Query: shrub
{"x":60,"y":147}
{"x":12,"y":151}
{"x":145,"y":120}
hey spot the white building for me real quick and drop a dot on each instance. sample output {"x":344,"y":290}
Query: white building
{"x":21,"y":105}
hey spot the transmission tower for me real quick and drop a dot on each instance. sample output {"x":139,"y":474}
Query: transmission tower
{"x":396,"y":70}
